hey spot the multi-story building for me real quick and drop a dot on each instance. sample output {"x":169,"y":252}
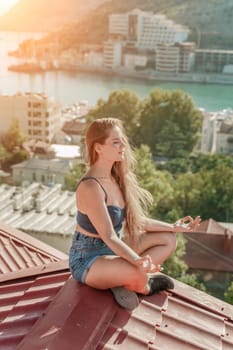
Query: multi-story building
{"x":175,"y":58}
{"x":207,"y":60}
{"x":112,"y":54}
{"x":217,"y":132}
{"x":145,"y":30}
{"x":167,"y":58}
{"x":38,"y":115}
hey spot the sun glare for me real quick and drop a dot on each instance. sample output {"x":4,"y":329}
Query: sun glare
{"x":5,"y":5}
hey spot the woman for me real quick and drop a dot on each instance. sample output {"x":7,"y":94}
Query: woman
{"x":115,"y":245}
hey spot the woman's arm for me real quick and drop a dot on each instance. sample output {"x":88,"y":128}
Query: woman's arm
{"x":185,"y":224}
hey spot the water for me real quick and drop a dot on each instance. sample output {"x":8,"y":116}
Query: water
{"x":69,"y":87}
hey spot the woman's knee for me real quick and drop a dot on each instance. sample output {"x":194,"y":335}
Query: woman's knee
{"x":171,"y":241}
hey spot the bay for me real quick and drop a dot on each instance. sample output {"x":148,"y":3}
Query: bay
{"x":70,"y":87}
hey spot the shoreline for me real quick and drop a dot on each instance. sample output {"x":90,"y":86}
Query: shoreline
{"x":149,"y":75}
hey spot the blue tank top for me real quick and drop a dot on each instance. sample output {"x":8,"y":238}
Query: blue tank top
{"x":116,"y":213}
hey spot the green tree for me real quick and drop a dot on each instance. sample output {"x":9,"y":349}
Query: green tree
{"x":167,"y":117}
{"x":158,"y":183}
{"x":228,"y":295}
{"x":217,"y":193}
{"x":15,"y":157}
{"x":72,"y":179}
{"x":122,"y":104}
{"x":13,"y":139}
{"x":3,"y":154}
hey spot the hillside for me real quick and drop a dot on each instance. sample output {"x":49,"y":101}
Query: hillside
{"x":210,"y":22}
{"x":45,"y":15}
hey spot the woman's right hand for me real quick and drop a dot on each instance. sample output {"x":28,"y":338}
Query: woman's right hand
{"x":145,"y":263}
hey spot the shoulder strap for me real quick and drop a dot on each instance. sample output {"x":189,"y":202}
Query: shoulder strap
{"x":95,"y":179}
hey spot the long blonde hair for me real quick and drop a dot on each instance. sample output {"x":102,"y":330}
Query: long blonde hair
{"x":136,"y":198}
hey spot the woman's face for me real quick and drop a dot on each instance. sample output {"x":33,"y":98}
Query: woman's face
{"x":114,"y":147}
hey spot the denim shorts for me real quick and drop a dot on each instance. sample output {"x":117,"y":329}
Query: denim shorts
{"x":83,"y":253}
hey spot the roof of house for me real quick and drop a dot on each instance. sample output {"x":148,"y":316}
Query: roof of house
{"x":54,"y":165}
{"x":213,"y":227}
{"x":74,"y":127}
{"x":48,"y":309}
{"x":38,"y":208}
{"x":211,"y":248}
{"x":23,"y":255}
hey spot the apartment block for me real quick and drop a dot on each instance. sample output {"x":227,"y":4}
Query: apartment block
{"x":217,"y":132}
{"x":112,"y":54}
{"x":213,"y":61}
{"x":145,"y":30}
{"x":175,"y":58}
{"x":38,"y":115}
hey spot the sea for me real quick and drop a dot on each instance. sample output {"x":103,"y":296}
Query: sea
{"x":71,"y":87}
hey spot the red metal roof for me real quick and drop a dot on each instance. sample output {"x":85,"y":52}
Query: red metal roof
{"x":49,"y":310}
{"x":206,"y":251}
{"x":82,"y":318}
{"x":23,"y":303}
{"x":21,"y":254}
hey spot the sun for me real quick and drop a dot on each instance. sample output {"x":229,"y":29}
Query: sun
{"x":5,"y":5}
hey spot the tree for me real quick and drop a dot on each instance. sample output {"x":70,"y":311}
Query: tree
{"x":71,"y":179}
{"x":158,"y":183}
{"x":122,"y":104}
{"x":13,"y":139}
{"x":228,"y":295}
{"x":168,"y":116}
{"x":3,"y":154}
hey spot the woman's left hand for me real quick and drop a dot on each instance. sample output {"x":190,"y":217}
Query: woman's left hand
{"x":187,"y":224}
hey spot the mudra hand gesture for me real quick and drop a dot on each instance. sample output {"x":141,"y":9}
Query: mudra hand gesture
{"x":187,"y":224}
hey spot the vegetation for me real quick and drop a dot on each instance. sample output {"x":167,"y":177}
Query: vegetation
{"x":11,"y":146}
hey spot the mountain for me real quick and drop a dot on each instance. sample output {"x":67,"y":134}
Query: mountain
{"x":86,"y":21}
{"x":210,"y":22}
{"x":45,"y":15}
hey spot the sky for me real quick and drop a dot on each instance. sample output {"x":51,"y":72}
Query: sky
{"x":5,"y":5}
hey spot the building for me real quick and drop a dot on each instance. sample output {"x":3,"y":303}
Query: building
{"x":43,"y":308}
{"x":112,"y":54}
{"x":175,"y":58}
{"x":217,"y":132}
{"x":209,"y":252}
{"x":45,"y":171}
{"x":145,"y":30}
{"x":46,"y":213}
{"x":167,"y":58}
{"x":38,"y":115}
{"x":213,"y":61}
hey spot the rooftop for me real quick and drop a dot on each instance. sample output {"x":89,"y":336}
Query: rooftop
{"x":38,"y":208}
{"x":47,"y":309}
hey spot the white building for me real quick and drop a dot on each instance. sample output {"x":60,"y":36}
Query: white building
{"x":145,"y":30}
{"x":217,"y":132}
{"x":112,"y":54}
{"x":175,"y":58}
{"x":131,"y":61}
{"x":38,"y":115}
{"x":45,"y":171}
{"x":46,"y":213}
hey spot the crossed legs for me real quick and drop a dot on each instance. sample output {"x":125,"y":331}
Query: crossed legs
{"x":113,"y":271}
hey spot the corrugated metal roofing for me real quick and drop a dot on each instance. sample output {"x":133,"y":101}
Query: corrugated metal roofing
{"x":206,"y":252}
{"x":23,"y":303}
{"x":21,"y":254}
{"x":82,"y":318}
{"x":49,"y":310}
{"x":38,"y":208}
